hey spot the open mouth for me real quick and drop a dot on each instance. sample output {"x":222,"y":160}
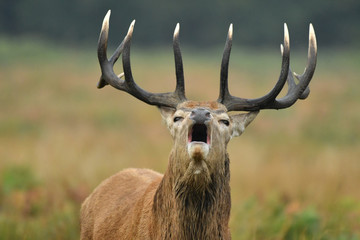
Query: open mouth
{"x":199,"y":133}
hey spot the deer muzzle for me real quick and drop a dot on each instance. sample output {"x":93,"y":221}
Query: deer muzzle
{"x":199,"y":134}
{"x":199,"y":131}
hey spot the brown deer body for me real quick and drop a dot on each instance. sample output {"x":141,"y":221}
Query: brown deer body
{"x":192,"y":199}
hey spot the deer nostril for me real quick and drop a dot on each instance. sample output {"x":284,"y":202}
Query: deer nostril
{"x":200,"y":115}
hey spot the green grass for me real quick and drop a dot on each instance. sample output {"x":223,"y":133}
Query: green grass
{"x":295,"y":173}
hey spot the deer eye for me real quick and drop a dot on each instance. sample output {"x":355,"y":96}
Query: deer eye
{"x":225,"y":122}
{"x":177,"y":119}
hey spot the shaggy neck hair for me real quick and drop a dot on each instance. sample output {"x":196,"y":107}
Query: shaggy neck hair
{"x":184,"y":208}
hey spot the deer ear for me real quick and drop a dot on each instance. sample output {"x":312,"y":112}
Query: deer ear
{"x":167,"y":114}
{"x":241,"y":121}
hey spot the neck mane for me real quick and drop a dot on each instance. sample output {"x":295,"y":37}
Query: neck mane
{"x":182,"y":210}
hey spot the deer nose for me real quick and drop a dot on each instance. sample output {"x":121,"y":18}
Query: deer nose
{"x":200,"y":115}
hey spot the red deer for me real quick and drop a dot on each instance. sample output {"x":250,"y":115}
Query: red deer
{"x":191,"y":200}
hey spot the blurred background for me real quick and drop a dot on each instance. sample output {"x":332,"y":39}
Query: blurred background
{"x":295,"y":172}
{"x":204,"y":23}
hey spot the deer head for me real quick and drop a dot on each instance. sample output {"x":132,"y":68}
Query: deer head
{"x":201,"y":130}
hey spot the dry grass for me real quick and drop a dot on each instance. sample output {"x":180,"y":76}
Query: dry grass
{"x":295,"y":173}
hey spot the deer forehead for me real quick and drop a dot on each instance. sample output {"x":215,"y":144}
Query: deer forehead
{"x":211,"y":105}
{"x":215,"y":108}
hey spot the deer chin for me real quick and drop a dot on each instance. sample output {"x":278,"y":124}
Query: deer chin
{"x":198,"y":172}
{"x":198,"y":151}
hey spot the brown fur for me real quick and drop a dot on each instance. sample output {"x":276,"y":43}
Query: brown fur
{"x":207,"y":104}
{"x":143,"y":204}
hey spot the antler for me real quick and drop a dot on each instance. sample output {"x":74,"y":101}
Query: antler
{"x":170,"y":99}
{"x":269,"y":101}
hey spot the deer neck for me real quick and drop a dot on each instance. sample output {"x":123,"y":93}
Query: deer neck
{"x":190,"y":210}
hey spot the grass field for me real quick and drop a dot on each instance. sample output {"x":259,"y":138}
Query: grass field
{"x":295,"y":172}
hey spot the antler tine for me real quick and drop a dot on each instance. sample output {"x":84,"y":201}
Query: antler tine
{"x":102,"y":50}
{"x":285,"y":52}
{"x":224,"y":87}
{"x":311,"y":64}
{"x":108,"y":76}
{"x":240,"y":104}
{"x":301,"y":90}
{"x":126,"y":57}
{"x":180,"y":85}
{"x":171,"y":99}
{"x":103,"y":38}
{"x":102,"y":47}
{"x":295,"y":91}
